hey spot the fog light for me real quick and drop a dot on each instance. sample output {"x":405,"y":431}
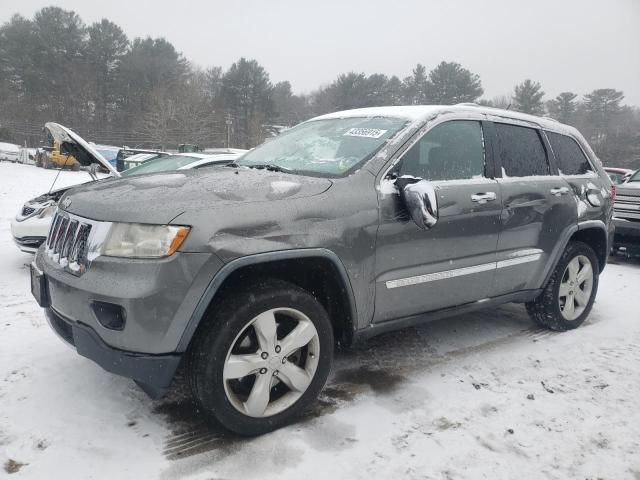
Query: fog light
{"x":110,"y":315}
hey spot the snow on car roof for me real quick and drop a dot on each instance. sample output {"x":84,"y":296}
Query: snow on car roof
{"x":421,"y":113}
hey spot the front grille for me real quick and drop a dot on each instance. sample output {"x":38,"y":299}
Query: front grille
{"x":26,"y":211}
{"x":68,"y":241}
{"x":627,"y":206}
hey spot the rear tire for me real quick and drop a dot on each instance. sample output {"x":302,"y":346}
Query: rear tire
{"x":568,"y":297}
{"x":261,"y":357}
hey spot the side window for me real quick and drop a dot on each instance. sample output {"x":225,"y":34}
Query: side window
{"x":522,"y":153}
{"x":450,"y":151}
{"x":570,"y":157}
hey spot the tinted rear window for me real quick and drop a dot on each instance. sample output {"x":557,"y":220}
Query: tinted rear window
{"x":522,"y":153}
{"x":570,"y":157}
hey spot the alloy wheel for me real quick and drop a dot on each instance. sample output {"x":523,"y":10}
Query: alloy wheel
{"x":271,"y":362}
{"x":575,"y":287}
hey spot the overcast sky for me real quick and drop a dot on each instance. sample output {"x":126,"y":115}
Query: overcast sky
{"x":577,"y":45}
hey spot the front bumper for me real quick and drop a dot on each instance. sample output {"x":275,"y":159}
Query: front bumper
{"x":154,"y":298}
{"x":30,"y":233}
{"x":153,"y":373}
{"x":29,"y":244}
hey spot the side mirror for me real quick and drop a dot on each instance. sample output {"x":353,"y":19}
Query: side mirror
{"x":421,"y":201}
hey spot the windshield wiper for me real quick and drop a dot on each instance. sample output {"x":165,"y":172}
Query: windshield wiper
{"x":271,"y":167}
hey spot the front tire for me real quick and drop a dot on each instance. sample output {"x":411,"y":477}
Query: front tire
{"x":568,"y":297}
{"x":262,"y":357}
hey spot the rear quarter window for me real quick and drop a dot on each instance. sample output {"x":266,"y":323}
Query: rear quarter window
{"x":570,"y":157}
{"x":522,"y":153}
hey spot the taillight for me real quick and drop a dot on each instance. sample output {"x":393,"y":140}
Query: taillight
{"x":613,"y":193}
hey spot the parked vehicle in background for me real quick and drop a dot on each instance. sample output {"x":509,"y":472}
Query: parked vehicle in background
{"x":184,"y":161}
{"x":618,"y":175}
{"x":344,"y":227}
{"x":140,"y":158}
{"x":238,"y":151}
{"x":127,"y":152}
{"x":108,"y":152}
{"x":626,"y":215}
{"x":30,"y":226}
{"x":27,"y":156}
{"x":189,"y":148}
{"x":9,"y":152}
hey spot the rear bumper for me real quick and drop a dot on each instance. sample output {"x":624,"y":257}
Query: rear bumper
{"x":153,"y":373}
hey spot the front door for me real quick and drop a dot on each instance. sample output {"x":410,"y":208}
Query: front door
{"x":453,"y":262}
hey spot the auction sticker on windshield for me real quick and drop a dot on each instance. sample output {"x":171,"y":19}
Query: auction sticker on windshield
{"x":365,"y":132}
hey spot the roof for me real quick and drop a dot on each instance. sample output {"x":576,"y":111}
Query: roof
{"x":421,"y":113}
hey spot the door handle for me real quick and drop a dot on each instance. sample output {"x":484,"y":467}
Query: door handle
{"x":559,"y":191}
{"x":483,"y":197}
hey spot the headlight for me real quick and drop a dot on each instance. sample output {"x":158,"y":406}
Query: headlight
{"x":143,"y":241}
{"x":47,"y":211}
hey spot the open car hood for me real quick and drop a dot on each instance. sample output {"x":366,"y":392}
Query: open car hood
{"x":74,"y":144}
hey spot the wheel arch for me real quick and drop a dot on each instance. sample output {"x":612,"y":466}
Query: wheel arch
{"x":329,"y":283}
{"x":593,"y":233}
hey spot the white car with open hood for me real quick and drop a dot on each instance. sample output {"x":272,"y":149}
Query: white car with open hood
{"x":31,"y":225}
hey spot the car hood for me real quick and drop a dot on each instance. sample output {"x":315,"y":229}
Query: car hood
{"x":159,"y":198}
{"x":71,"y":142}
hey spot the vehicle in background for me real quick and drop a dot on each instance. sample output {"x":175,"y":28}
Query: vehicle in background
{"x":189,"y":148}
{"x":27,"y":156}
{"x":127,"y":152}
{"x":618,"y":175}
{"x":140,"y":158}
{"x":61,"y":159}
{"x":238,"y":151}
{"x":626,"y":216}
{"x":30,"y":226}
{"x":346,"y":226}
{"x":9,"y":151}
{"x":109,"y":152}
{"x":184,"y":161}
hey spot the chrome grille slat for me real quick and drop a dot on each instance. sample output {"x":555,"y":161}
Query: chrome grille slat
{"x":62,"y":232}
{"x":627,"y":206}
{"x":69,"y":239}
{"x":54,"y":230}
{"x":68,"y":242}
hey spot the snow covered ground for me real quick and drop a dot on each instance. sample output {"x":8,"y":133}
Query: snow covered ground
{"x":485,"y":395}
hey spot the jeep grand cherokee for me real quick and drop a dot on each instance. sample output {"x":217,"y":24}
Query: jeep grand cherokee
{"x":346,"y":226}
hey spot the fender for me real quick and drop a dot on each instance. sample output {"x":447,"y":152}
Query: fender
{"x":222,"y":274}
{"x":554,"y":258}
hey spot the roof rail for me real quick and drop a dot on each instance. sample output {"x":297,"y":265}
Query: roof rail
{"x":467,"y":104}
{"x":552,"y":119}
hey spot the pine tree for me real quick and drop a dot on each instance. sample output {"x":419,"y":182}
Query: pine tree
{"x":563,"y":107}
{"x":449,"y":83}
{"x":416,"y":86}
{"x":528,"y":98}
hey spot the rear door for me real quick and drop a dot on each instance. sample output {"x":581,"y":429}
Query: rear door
{"x":587,"y":188}
{"x":537,"y":205}
{"x":453,"y":262}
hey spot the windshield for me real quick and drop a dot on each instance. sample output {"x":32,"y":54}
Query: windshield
{"x":162,"y":164}
{"x":635,"y":177}
{"x":332,"y":147}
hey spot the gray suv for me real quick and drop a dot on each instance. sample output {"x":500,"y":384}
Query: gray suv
{"x":346,"y":226}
